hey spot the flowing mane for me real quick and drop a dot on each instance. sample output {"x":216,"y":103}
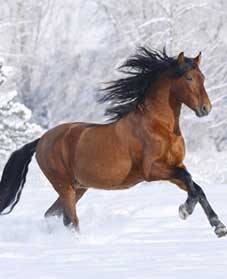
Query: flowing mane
{"x":142,"y":70}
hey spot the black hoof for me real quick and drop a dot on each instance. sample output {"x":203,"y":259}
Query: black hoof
{"x":183,"y":212}
{"x":221,"y":231}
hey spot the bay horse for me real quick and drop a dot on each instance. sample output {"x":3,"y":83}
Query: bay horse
{"x":142,"y":141}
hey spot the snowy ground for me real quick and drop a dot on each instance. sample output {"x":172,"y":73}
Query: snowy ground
{"x":130,"y":234}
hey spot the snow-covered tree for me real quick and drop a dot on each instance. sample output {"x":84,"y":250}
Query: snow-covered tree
{"x":15,"y":128}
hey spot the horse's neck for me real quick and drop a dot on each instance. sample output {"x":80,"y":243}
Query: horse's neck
{"x":163,"y":107}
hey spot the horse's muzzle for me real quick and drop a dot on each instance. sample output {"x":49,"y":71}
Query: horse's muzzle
{"x":204,"y":110}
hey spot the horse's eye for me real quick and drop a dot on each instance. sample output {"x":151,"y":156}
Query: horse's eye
{"x":188,"y":78}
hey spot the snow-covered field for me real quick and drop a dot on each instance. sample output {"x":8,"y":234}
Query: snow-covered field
{"x":129,"y":234}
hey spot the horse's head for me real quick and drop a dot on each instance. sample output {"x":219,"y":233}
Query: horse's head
{"x":189,"y":88}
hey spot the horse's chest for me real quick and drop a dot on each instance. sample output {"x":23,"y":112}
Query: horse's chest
{"x":176,"y":150}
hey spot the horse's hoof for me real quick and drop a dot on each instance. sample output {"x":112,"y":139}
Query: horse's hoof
{"x":221,"y":231}
{"x":183,"y":212}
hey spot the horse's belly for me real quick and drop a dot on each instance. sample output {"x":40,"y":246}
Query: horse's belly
{"x":100,"y":173}
{"x":101,"y":164}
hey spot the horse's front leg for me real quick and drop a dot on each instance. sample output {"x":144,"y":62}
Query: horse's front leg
{"x":196,"y":194}
{"x":220,"y":228}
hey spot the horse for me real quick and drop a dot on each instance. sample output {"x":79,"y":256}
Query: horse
{"x":142,"y":141}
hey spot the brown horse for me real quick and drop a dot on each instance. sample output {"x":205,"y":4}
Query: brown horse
{"x":143,"y":142}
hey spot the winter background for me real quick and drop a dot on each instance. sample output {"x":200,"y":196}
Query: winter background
{"x":54,"y":55}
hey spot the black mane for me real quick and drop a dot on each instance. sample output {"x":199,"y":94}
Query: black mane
{"x":142,"y":69}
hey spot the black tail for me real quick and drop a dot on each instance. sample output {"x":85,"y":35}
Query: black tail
{"x":14,"y":176}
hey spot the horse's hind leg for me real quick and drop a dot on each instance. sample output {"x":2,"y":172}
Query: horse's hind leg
{"x":69,"y":212}
{"x":67,"y":196}
{"x":66,"y":204}
{"x":56,"y":208}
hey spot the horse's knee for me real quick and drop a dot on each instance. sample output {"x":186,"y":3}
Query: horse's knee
{"x":199,"y":191}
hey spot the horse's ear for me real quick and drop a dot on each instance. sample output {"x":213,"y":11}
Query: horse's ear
{"x":197,"y":59}
{"x":180,"y":58}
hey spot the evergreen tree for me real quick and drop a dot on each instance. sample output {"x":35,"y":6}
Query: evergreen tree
{"x":15,"y":126}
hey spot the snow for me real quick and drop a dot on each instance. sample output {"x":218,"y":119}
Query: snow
{"x":59,"y":56}
{"x":134,"y":233}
